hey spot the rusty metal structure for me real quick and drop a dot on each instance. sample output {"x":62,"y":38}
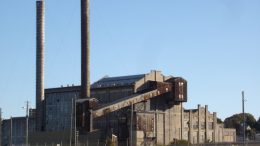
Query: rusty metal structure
{"x":39,"y":63}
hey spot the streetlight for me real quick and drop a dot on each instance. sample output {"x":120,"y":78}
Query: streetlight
{"x":27,"y":121}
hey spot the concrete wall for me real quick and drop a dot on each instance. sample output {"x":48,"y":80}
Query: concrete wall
{"x":165,"y":120}
{"x":152,"y":76}
{"x":229,"y":135}
{"x":201,"y":127}
{"x":173,"y":123}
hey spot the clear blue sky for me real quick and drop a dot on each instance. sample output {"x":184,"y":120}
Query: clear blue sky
{"x":214,"y":44}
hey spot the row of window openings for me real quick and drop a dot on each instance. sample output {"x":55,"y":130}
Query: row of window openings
{"x":203,"y":125}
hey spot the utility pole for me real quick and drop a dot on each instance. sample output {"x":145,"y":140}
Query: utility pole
{"x":71,"y":120}
{"x":11,"y":132}
{"x":27,"y":121}
{"x":75,"y":124}
{"x":244,"y":122}
{"x":131,"y":125}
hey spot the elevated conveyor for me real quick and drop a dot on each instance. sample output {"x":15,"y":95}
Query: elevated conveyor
{"x":124,"y":102}
{"x":151,"y":90}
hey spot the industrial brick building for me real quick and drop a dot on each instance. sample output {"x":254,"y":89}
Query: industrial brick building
{"x":159,"y":119}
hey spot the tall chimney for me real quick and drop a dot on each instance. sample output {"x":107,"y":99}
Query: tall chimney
{"x":85,"y":56}
{"x":39,"y":63}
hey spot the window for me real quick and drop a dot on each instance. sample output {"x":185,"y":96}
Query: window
{"x":196,"y":125}
{"x":181,"y":90}
{"x":181,"y":96}
{"x":203,"y":126}
{"x":210,"y":125}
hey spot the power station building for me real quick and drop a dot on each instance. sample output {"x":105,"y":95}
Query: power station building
{"x":144,"y":109}
{"x":158,"y":119}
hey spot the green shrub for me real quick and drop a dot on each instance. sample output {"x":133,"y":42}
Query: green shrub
{"x":109,"y":142}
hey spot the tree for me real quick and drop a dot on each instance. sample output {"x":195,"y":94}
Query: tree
{"x":236,"y":122}
{"x":257,"y":126}
{"x":219,"y":121}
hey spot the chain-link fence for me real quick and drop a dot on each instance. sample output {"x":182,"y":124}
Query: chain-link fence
{"x":230,"y":144}
{"x":105,"y":143}
{"x":86,"y":143}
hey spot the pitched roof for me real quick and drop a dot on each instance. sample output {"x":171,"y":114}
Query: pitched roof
{"x":117,"y":81}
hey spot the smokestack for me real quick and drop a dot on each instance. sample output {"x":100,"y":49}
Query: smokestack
{"x":85,"y":56}
{"x":39,"y":63}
